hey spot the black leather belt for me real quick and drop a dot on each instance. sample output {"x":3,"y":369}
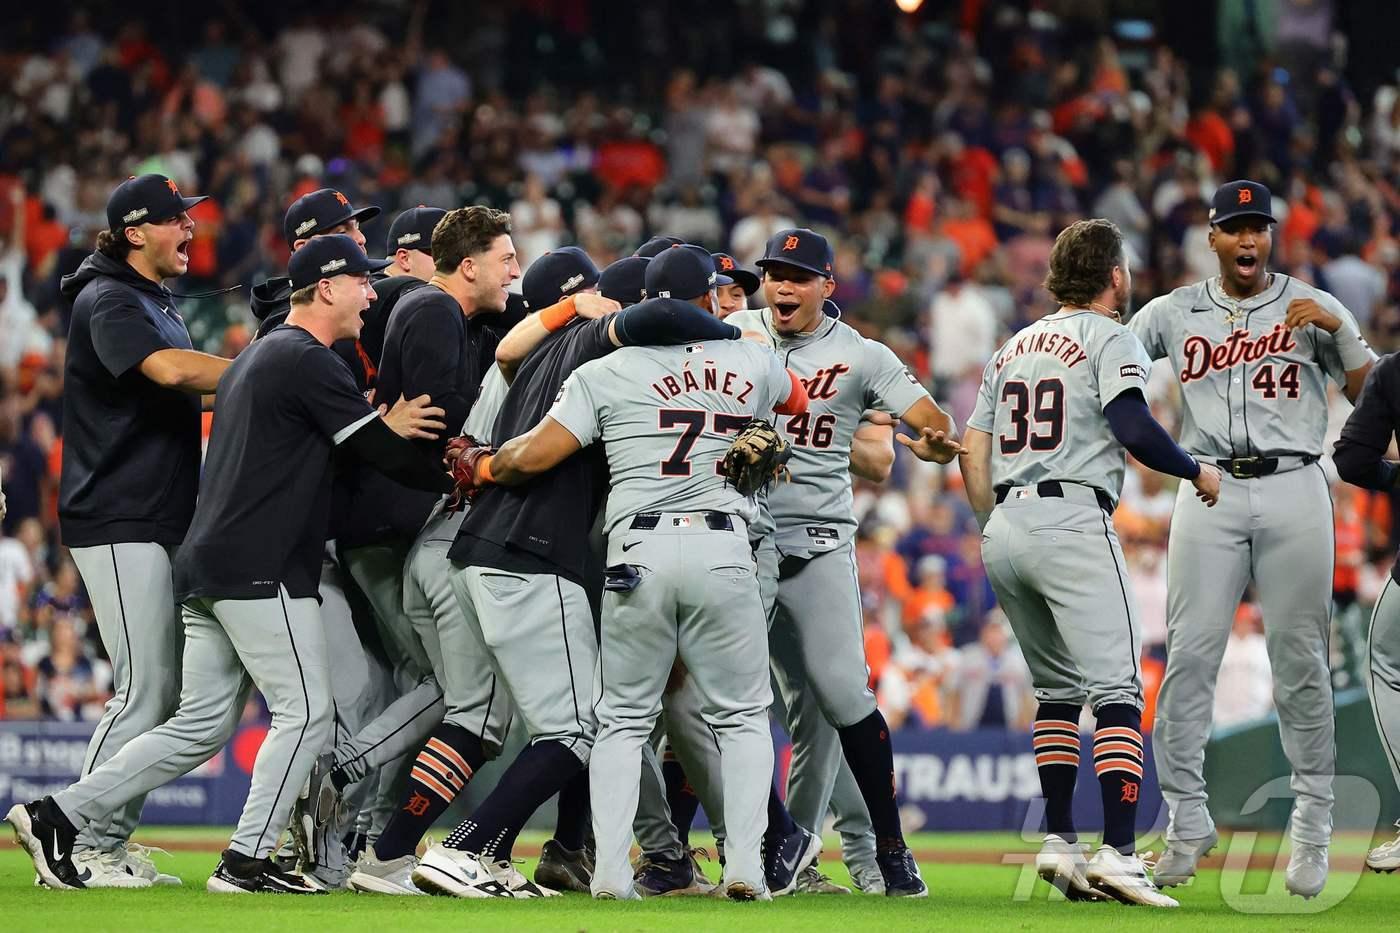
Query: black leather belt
{"x":1054,"y":489}
{"x":1255,"y":467}
{"x":715,"y":521}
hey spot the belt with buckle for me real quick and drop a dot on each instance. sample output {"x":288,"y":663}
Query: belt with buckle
{"x":715,"y":521}
{"x":1054,"y":489}
{"x":1255,"y":467}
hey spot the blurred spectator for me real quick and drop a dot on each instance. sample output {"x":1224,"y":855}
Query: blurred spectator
{"x":992,"y":686}
{"x":67,"y":685}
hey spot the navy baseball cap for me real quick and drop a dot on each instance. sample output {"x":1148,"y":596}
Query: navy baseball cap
{"x":1241,"y":199}
{"x":323,"y":257}
{"x":800,"y":247}
{"x":146,"y":199}
{"x":625,"y":281}
{"x":413,"y":229}
{"x":651,"y":248}
{"x":321,"y":210}
{"x":683,"y":272}
{"x":556,"y":275}
{"x":725,"y":265}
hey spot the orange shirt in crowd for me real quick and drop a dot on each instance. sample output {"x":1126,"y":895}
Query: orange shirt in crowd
{"x":877,"y":651}
{"x":975,"y":237}
{"x":1209,"y":132}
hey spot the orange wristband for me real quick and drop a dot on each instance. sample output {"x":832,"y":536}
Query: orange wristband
{"x":483,"y":470}
{"x":556,"y":316}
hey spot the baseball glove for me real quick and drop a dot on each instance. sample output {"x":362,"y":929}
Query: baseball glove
{"x":757,"y":456}
{"x":461,"y":458}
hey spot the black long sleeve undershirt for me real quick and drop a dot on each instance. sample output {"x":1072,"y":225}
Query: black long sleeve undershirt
{"x":1136,"y":429}
{"x":397,"y":458}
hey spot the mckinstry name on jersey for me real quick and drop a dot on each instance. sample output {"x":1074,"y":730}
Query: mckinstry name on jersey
{"x":1042,"y":399}
{"x":664,"y":446}
{"x":845,"y":375}
{"x":1251,"y":386}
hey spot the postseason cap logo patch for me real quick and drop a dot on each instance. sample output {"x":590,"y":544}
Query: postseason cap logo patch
{"x":306,"y":226}
{"x":135,"y":215}
{"x":333,"y":265}
{"x":409,"y":238}
{"x":1133,"y":371}
{"x":572,"y":282}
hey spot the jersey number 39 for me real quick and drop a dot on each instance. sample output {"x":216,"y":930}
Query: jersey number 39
{"x":1044,"y":405}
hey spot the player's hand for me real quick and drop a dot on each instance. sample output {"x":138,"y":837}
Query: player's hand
{"x":414,"y":419}
{"x":1305,"y":311}
{"x":592,"y":307}
{"x":1207,"y":484}
{"x":935,"y":446}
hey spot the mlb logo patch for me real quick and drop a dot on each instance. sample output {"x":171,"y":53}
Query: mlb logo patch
{"x":682,"y":522}
{"x":1022,"y":494}
{"x":695,"y":348}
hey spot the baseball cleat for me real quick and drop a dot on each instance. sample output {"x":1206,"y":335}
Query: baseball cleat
{"x":746,"y":891}
{"x":327,"y":879}
{"x":1124,"y":878}
{"x":1062,"y":864}
{"x":266,"y":878}
{"x":564,"y":869}
{"x":454,"y":873}
{"x":812,"y":881}
{"x":631,"y":895}
{"x":1178,"y":863}
{"x":371,"y":876}
{"x":901,"y":873}
{"x":867,"y":880}
{"x":1307,"y":870}
{"x":49,"y":843}
{"x":1386,"y":856}
{"x":517,"y":884}
{"x":99,"y":869}
{"x":314,"y":810}
{"x":663,"y":877}
{"x":138,"y":858}
{"x":786,"y":859}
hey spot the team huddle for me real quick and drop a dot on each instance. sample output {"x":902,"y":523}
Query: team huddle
{"x":430,"y":508}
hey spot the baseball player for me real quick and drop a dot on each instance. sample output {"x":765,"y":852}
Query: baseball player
{"x":521,"y":562}
{"x":130,"y":472}
{"x":624,"y":281}
{"x":1059,"y":403}
{"x":1360,"y":459}
{"x":743,"y":283}
{"x":816,"y":635}
{"x":1253,"y":351}
{"x":248,"y":577}
{"x":669,"y":514}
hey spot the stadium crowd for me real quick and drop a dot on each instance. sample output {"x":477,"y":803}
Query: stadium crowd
{"x":942,"y":153}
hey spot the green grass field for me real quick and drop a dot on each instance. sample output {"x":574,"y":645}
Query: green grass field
{"x":977,"y":881}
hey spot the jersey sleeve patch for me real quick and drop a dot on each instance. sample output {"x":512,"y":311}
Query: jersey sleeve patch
{"x":1133,"y":371}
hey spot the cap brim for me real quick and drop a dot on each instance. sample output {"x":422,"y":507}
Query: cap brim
{"x":378,"y":265}
{"x":722,"y":280}
{"x":1217,"y":221}
{"x":765,"y":262}
{"x":745,"y":279}
{"x":363,"y":214}
{"x":191,"y":202}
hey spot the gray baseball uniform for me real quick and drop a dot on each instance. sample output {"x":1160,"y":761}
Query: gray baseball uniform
{"x":1049,"y":548}
{"x":1251,"y":389}
{"x":816,"y":636}
{"x":666,"y":416}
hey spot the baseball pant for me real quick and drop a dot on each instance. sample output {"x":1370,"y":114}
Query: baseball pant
{"x":1383,"y":673}
{"x":231,"y":645}
{"x":1276,"y":530}
{"x":473,"y":697}
{"x":538,"y":633}
{"x":133,"y":599}
{"x":697,"y":599}
{"x":1058,"y":572}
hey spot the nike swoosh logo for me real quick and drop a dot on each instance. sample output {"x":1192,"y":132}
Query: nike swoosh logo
{"x":790,"y":864}
{"x":471,"y":874}
{"x":1199,"y":310}
{"x":58,"y":854}
{"x":85,"y":875}
{"x":630,"y":546}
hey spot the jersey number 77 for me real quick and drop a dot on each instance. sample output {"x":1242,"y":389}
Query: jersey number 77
{"x":692,"y":422}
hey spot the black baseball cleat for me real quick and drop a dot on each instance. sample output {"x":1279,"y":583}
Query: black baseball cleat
{"x":901,"y":873}
{"x":564,"y":869}
{"x":48,"y":838}
{"x":264,"y":878}
{"x":785,"y":860}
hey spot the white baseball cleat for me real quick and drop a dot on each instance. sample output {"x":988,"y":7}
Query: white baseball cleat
{"x":1386,"y":856}
{"x":1307,"y":870}
{"x":1062,"y":864}
{"x":395,"y":876}
{"x":98,"y":869}
{"x":517,"y":884}
{"x":1178,"y":863}
{"x":455,"y":873}
{"x":138,"y":857}
{"x":1124,"y":878}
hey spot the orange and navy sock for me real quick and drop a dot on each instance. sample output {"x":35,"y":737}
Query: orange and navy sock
{"x":447,"y":762}
{"x":1055,"y":738}
{"x":1118,"y":764}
